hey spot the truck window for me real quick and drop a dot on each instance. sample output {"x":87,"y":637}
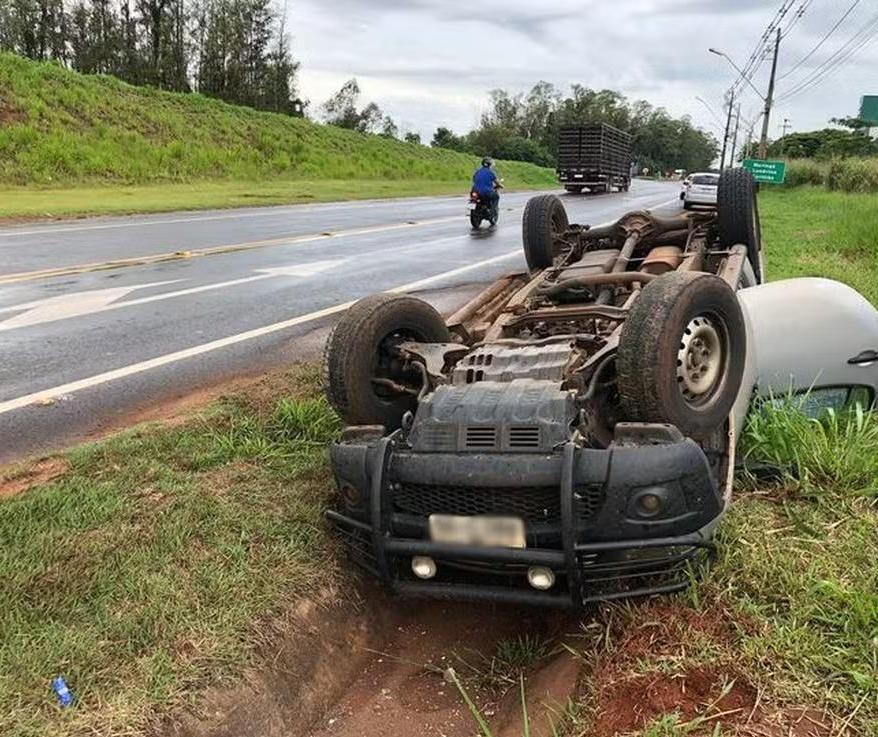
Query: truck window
{"x":814,"y":402}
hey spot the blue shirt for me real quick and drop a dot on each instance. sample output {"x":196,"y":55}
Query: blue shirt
{"x":483,"y":180}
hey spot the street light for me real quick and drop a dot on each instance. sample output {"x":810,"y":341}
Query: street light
{"x":768,"y":98}
{"x":728,"y":58}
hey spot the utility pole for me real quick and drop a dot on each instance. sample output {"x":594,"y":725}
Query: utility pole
{"x":784,"y":128}
{"x":722,"y":158}
{"x":735,"y":137}
{"x":763,"y":142}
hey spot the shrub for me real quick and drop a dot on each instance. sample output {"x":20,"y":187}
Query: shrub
{"x":805,"y":171}
{"x":853,"y":175}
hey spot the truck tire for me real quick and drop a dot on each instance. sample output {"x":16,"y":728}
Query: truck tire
{"x":738,"y":215}
{"x":681,"y":353}
{"x":544,"y":220}
{"x":360,"y":349}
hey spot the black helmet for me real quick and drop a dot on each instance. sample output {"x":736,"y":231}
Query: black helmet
{"x":488,"y":161}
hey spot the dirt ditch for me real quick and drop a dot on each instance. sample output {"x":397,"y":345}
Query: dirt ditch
{"x":362,"y":663}
{"x":368,"y":664}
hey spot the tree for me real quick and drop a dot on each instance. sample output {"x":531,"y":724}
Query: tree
{"x":445,"y":138}
{"x":36,"y":29}
{"x":237,"y":50}
{"x":854,"y":124}
{"x":824,"y":144}
{"x":389,"y":129}
{"x":412,"y":137}
{"x":341,"y":110}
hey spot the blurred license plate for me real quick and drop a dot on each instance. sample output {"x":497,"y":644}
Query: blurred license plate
{"x":497,"y":532}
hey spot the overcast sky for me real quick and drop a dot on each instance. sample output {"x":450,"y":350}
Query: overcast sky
{"x":432,"y":62}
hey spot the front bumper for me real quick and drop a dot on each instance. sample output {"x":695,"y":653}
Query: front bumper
{"x":700,"y":198}
{"x":581,"y":509}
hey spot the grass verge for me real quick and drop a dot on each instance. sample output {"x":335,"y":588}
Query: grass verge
{"x":146,"y":569}
{"x":781,"y":636}
{"x":28,"y":202}
{"x":808,"y":231}
{"x":61,"y":131}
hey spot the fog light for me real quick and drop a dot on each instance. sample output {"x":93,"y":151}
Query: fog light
{"x":423,"y":566}
{"x":649,"y":504}
{"x":540,"y":577}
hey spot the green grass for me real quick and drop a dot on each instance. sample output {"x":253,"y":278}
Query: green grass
{"x":33,"y":202}
{"x":826,"y":456}
{"x":809,"y":231}
{"x":147,"y":569}
{"x":59,"y":129}
{"x":854,"y":174}
{"x":790,"y":610}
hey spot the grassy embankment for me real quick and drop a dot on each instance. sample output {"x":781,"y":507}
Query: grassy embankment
{"x":152,"y":561}
{"x":842,"y":175}
{"x":74,"y":144}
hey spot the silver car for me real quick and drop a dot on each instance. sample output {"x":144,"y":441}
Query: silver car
{"x":701,"y":190}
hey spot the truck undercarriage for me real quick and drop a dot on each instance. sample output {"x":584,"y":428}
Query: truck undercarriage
{"x":564,"y":437}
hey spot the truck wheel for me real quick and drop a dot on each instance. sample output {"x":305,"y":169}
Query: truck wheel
{"x":738,"y":215}
{"x":363,"y":378}
{"x":681,"y":353}
{"x":545,"y":219}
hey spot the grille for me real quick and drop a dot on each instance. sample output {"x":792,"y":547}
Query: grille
{"x":526,"y":436}
{"x":589,"y":500}
{"x":481,"y":437}
{"x":533,"y":504}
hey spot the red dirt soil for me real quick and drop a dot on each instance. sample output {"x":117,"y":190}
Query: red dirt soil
{"x":402,"y":691}
{"x":39,"y":473}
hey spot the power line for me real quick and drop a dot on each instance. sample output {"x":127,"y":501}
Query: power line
{"x":822,"y":40}
{"x":856,"y":42}
{"x":757,"y":56}
{"x":797,"y":16}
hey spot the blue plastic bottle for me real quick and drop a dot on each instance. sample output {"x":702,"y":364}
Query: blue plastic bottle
{"x":59,"y":686}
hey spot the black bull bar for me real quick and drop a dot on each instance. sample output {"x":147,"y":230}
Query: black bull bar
{"x":610,"y":553}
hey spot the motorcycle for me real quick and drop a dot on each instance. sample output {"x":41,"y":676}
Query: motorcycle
{"x":480,"y":209}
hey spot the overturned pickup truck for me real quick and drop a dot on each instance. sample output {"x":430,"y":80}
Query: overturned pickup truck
{"x":568,"y":436}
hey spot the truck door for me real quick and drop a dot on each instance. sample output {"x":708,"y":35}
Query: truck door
{"x":816,"y":336}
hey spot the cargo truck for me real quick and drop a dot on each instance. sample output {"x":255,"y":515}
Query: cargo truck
{"x":596,"y":157}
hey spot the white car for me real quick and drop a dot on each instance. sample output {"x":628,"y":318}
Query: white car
{"x":701,"y":190}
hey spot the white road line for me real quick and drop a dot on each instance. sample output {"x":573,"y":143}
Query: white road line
{"x":102,"y":300}
{"x":136,"y":368}
{"x":212,"y":251}
{"x":158,"y":361}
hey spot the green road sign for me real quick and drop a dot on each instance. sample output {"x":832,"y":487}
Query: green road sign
{"x":869,"y":109}
{"x":773,"y":172}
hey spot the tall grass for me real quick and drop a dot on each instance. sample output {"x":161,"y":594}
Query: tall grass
{"x":853,"y":175}
{"x":833,"y":454}
{"x":805,"y":171}
{"x":842,"y":175}
{"x":58,"y":127}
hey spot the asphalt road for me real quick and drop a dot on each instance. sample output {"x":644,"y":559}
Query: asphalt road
{"x":83,"y":347}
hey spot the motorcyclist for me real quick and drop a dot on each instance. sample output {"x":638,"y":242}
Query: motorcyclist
{"x":486,"y":184}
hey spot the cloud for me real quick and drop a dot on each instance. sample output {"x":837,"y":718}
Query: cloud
{"x":432,"y":62}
